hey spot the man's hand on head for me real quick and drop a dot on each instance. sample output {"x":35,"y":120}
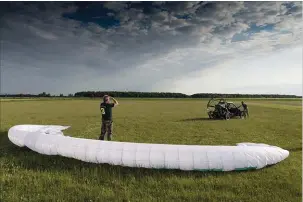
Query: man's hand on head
{"x":115,"y":101}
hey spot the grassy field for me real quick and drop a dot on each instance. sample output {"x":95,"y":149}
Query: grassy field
{"x":28,"y":176}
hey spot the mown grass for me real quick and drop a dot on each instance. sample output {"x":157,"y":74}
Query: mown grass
{"x":28,"y":176}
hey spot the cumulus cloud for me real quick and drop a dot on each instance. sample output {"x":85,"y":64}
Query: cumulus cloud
{"x":144,"y":46}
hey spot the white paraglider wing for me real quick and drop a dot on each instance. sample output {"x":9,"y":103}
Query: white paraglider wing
{"x":50,"y":140}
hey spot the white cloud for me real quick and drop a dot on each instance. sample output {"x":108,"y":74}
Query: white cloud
{"x":116,"y":6}
{"x":43,"y":34}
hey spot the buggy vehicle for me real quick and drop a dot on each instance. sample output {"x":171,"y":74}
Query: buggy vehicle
{"x":219,"y":108}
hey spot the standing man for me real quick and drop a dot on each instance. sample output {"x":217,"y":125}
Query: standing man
{"x":107,"y":120}
{"x":245,"y":108}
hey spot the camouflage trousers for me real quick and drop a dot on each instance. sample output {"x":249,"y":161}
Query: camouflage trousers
{"x":106,"y":127}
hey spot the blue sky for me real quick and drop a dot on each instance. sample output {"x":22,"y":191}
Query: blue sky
{"x":187,"y":47}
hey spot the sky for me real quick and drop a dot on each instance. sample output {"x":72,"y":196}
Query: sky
{"x":185,"y":47}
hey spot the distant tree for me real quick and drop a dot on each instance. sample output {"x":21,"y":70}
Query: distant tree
{"x":42,"y":94}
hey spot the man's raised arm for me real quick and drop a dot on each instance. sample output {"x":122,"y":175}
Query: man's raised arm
{"x":115,"y":101}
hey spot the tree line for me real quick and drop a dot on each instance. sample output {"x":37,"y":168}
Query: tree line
{"x":133,"y":94}
{"x":211,"y":95}
{"x":130,"y":94}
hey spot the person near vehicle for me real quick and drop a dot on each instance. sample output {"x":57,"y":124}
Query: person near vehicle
{"x":245,"y":108}
{"x":107,"y":119}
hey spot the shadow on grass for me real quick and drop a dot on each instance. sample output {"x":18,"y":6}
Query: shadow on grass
{"x":294,"y":149}
{"x":208,"y":119}
{"x":4,"y":141}
{"x":25,"y":158}
{"x":199,"y":119}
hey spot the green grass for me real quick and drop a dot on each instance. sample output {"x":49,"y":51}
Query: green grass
{"x":29,"y":176}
